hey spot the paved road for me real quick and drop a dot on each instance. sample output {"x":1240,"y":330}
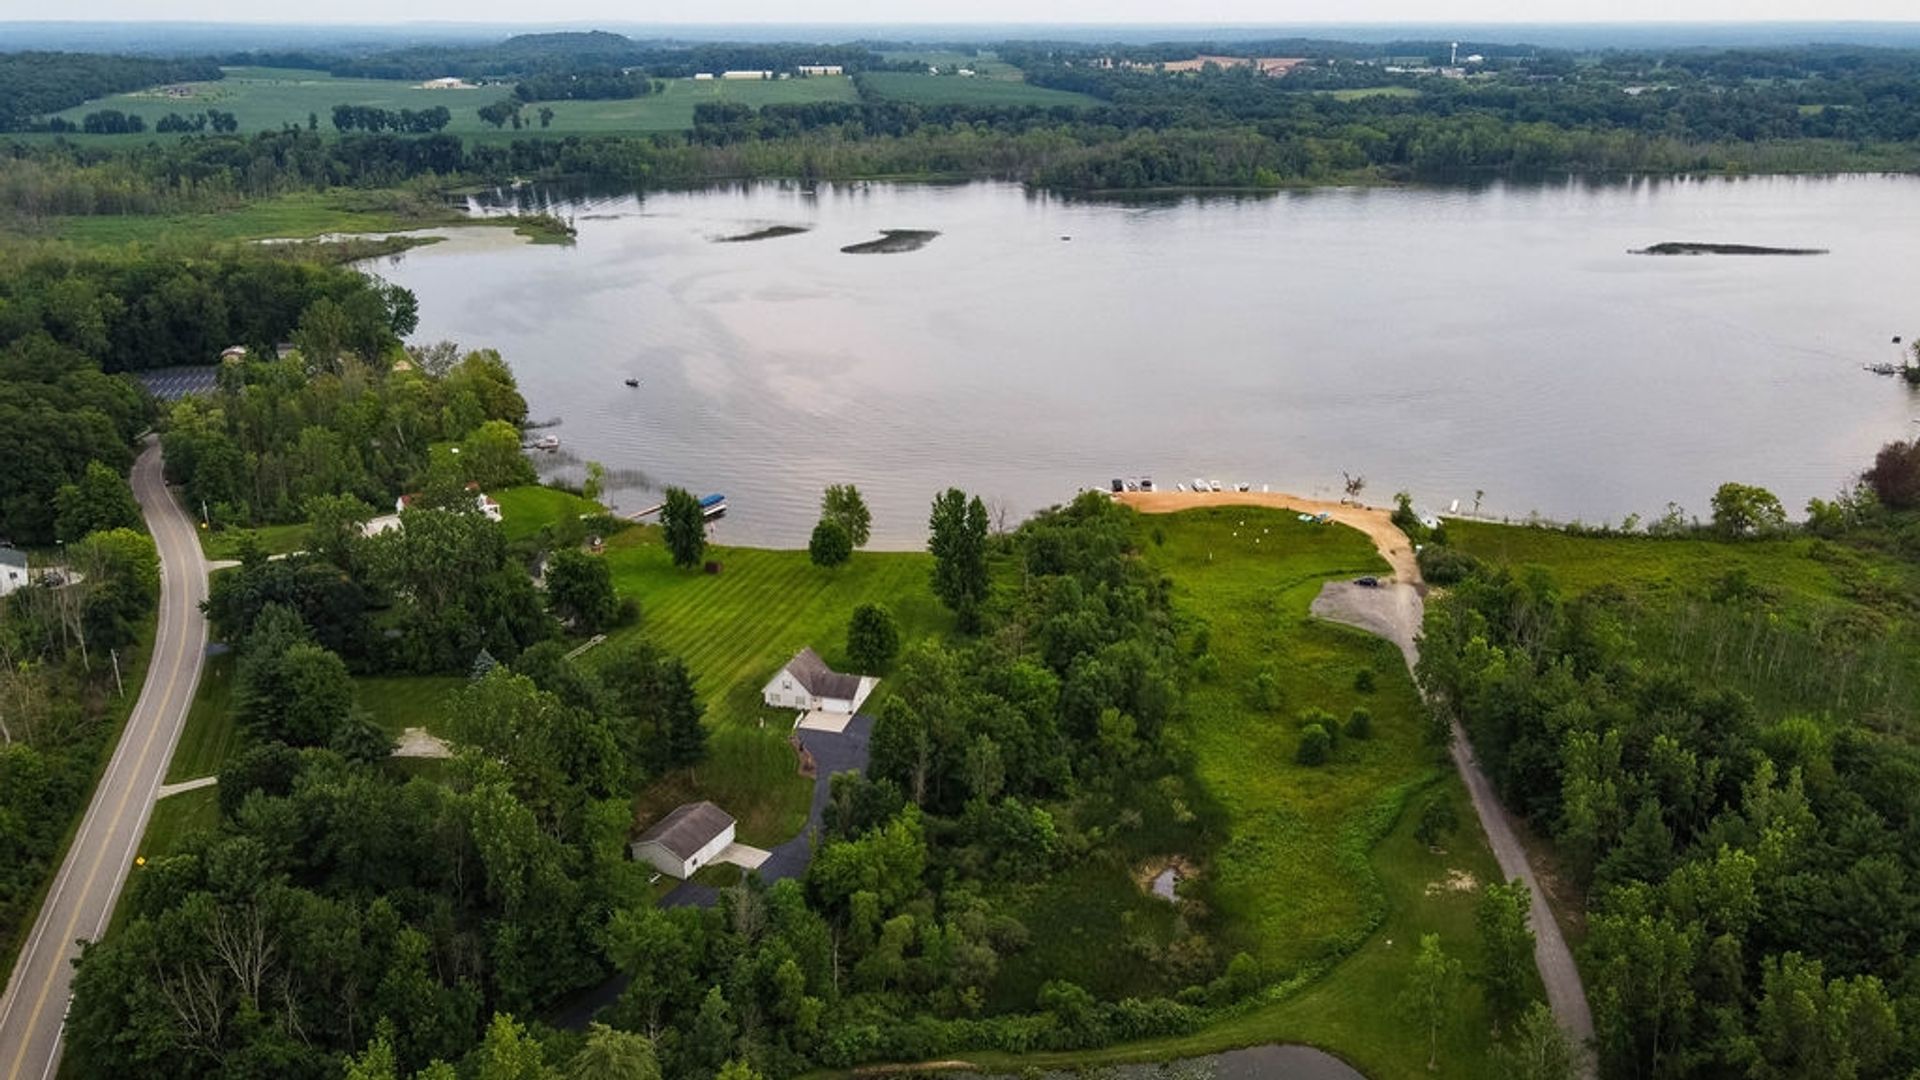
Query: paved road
{"x":89,"y":882}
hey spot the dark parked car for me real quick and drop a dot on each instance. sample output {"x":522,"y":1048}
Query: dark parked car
{"x":1367,"y":582}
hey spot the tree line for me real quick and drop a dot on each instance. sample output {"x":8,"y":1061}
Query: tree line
{"x":33,"y":84}
{"x":373,"y":120}
{"x":1747,"y":850}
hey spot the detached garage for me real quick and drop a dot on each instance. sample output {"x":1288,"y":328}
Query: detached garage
{"x":685,"y":840}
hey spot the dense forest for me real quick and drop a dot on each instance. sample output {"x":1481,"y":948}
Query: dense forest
{"x":1731,"y":781}
{"x":33,"y":84}
{"x":67,"y":324}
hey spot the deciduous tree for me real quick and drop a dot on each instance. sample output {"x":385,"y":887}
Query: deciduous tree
{"x":684,"y":526}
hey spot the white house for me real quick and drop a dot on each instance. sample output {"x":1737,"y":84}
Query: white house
{"x":482,"y":502}
{"x":821,"y":69}
{"x":684,"y":841}
{"x":13,"y":570}
{"x":807,"y":683}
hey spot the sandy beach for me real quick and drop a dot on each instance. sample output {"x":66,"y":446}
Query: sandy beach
{"x":1375,"y":522}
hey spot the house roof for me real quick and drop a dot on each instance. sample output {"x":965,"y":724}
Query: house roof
{"x":12,"y":557}
{"x":821,"y":680}
{"x":689,"y":828}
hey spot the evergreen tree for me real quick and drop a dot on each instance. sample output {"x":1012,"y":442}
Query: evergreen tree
{"x":681,"y":709}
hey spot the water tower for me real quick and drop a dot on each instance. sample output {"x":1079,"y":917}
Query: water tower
{"x":1453,"y":55}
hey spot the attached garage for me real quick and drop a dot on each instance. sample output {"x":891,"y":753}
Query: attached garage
{"x":806,"y":683}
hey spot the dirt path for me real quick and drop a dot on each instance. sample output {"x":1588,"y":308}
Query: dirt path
{"x":1375,"y":522}
{"x":1394,"y":611}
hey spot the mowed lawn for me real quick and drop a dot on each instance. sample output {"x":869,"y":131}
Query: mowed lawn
{"x":524,"y":511}
{"x":734,"y":630}
{"x":267,"y":99}
{"x":922,"y":89}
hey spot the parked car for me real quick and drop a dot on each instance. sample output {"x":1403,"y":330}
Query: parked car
{"x":1119,"y":486}
{"x":1368,"y":582}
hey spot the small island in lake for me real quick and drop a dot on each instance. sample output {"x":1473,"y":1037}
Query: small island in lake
{"x":1675,"y":247}
{"x":771,"y":232}
{"x":893,"y":241}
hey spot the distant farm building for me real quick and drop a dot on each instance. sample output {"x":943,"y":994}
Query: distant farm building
{"x":13,"y":570}
{"x":808,"y":684}
{"x":233,"y":354}
{"x":702,"y":76}
{"x":821,"y":69}
{"x":448,"y":83}
{"x":1265,"y":65}
{"x":745,"y":75}
{"x":689,"y":838}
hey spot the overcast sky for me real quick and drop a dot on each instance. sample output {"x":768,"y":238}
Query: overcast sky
{"x":894,"y":12}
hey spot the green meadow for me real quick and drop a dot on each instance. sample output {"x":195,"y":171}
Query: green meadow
{"x":267,"y":99}
{"x":922,"y":89}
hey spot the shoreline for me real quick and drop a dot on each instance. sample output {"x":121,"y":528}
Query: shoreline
{"x":1375,"y":522}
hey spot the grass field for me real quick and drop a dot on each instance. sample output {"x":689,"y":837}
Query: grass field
{"x":1318,"y":876}
{"x":266,"y":99}
{"x":299,"y":216}
{"x":209,"y":736}
{"x":273,"y":539}
{"x":922,"y":89}
{"x":177,"y":816}
{"x":399,"y":702}
{"x":524,"y":511}
{"x":1352,"y":1011}
{"x":1355,"y":93}
{"x":734,"y":630}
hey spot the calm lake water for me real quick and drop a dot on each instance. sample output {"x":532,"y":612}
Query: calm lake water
{"x":1433,"y":340}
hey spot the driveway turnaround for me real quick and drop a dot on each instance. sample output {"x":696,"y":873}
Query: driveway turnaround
{"x":83,"y":894}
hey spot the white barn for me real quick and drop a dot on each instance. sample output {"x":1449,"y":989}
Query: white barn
{"x":13,"y":570}
{"x":808,"y":684}
{"x":684,"y":841}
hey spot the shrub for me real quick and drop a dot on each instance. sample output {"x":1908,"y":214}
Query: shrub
{"x":1442,"y":565}
{"x":1315,"y":745}
{"x":1437,"y":821}
{"x":1363,"y":680}
{"x":1324,"y":720}
{"x":1359,"y":723}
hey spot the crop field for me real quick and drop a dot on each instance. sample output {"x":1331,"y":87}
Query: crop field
{"x":734,"y":630}
{"x":267,"y":99}
{"x":921,"y":89}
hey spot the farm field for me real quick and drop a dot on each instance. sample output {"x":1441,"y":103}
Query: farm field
{"x":920,"y":89}
{"x":267,"y":99}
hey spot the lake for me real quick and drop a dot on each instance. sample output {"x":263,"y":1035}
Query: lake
{"x":1442,"y":341}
